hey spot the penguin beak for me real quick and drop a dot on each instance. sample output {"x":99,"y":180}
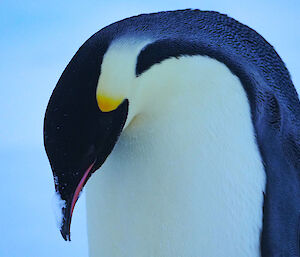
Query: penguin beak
{"x":67,"y":209}
{"x":76,"y":152}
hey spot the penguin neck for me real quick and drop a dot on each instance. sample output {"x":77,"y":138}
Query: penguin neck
{"x":185,"y":178}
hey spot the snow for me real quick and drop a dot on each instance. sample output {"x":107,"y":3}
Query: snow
{"x":58,"y":204}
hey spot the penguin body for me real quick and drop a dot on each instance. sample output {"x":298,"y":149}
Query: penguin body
{"x":186,"y":174}
{"x":208,"y":159}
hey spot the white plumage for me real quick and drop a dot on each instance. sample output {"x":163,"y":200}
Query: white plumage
{"x":185,"y":178}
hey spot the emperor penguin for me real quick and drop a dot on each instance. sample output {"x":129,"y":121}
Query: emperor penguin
{"x":194,"y":121}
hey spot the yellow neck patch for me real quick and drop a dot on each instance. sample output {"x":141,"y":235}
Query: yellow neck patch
{"x":107,"y":104}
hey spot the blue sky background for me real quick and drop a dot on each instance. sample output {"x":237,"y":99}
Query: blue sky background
{"x":37,"y":40}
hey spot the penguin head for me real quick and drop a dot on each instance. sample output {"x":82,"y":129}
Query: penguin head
{"x":81,"y":127}
{"x":103,"y":88}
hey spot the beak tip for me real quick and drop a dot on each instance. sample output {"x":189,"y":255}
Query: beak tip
{"x":65,"y":229}
{"x":65,"y":234}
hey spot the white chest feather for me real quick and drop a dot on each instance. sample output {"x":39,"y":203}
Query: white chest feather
{"x":185,"y":178}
